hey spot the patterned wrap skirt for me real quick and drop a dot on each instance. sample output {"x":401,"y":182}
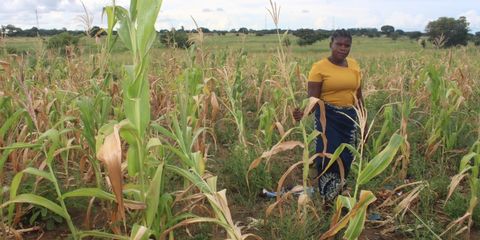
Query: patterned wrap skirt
{"x":340,"y":128}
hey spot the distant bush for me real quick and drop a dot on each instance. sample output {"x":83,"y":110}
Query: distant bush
{"x":175,"y":38}
{"x":62,"y":40}
{"x":476,"y":39}
{"x":414,"y":35}
{"x":309,"y":36}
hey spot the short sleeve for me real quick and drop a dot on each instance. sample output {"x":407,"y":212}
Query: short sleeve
{"x":315,"y":75}
{"x":356,"y":67}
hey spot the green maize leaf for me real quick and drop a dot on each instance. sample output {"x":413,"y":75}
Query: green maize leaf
{"x":39,"y":173}
{"x":347,"y":202}
{"x":386,"y":127}
{"x":355,"y":226}
{"x":153,"y":195}
{"x":17,"y":179}
{"x":51,"y":134}
{"x":63,"y":120}
{"x":9,"y":149}
{"x":51,"y":152}
{"x":89,"y":192}
{"x":10,"y":121}
{"x":466,"y":160}
{"x":4,"y":101}
{"x":111,"y":20}
{"x":365,"y":199}
{"x":192,"y":176}
{"x":133,"y":163}
{"x":183,"y":157}
{"x":85,"y":106}
{"x":196,"y":134}
{"x":140,"y":233}
{"x":100,"y":235}
{"x":165,"y":208}
{"x":153,"y":142}
{"x":147,"y":16}
{"x":133,"y":10}
{"x":99,"y":193}
{"x":314,"y":134}
{"x":20,"y":146}
{"x":163,"y":131}
{"x":36,"y":200}
{"x":125,"y":27}
{"x":337,"y":153}
{"x":136,"y":101}
{"x":380,"y":162}
{"x":105,"y":103}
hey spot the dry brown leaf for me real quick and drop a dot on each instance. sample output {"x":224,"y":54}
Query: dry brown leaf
{"x":281,"y":147}
{"x":312,"y":101}
{"x":86,"y":221}
{"x":6,"y":67}
{"x":283,"y":178}
{"x":215,"y":105}
{"x":303,"y":199}
{"x":408,"y":200}
{"x":280,"y":128}
{"x":110,"y":153}
{"x":454,"y":183}
{"x":456,"y":222}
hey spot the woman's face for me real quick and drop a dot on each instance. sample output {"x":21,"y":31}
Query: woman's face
{"x":340,"y":48}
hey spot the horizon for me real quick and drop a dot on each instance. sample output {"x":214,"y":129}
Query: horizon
{"x":219,"y":15}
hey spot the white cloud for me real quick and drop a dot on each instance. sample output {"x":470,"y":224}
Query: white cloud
{"x":406,"y":21}
{"x":473,"y":18}
{"x":323,"y":22}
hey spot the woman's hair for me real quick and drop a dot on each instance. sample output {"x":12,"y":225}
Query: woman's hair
{"x":340,"y":33}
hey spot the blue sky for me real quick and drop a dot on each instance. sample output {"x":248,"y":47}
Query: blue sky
{"x":407,"y":15}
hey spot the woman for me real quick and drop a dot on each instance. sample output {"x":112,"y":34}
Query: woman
{"x":336,"y":81}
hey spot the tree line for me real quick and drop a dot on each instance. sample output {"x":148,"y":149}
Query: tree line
{"x":444,"y":31}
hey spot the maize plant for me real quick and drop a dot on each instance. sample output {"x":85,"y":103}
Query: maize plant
{"x":446,"y":99}
{"x":469,"y":167}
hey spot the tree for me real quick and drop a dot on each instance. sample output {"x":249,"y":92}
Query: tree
{"x":309,"y":36}
{"x":175,"y":38}
{"x":387,"y":29}
{"x":62,"y":40}
{"x":205,"y":30}
{"x":414,"y":35}
{"x":12,"y":31}
{"x":243,"y":30}
{"x":454,"y":31}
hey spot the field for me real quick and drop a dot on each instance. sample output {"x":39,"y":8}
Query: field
{"x":91,"y":148}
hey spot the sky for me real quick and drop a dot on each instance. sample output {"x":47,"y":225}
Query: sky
{"x":408,"y":15}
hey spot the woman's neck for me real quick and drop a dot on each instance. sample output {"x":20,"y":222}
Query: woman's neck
{"x":339,"y":62}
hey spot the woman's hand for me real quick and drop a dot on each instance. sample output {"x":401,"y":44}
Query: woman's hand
{"x":297,"y":114}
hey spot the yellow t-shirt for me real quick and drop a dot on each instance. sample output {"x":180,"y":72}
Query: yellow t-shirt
{"x":339,"y":84}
